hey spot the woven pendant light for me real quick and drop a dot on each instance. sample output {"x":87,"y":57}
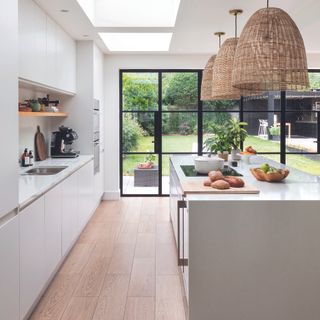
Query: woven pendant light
{"x":271,"y":54}
{"x":206,"y":85}
{"x":222,"y":88}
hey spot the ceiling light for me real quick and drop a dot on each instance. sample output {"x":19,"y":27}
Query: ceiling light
{"x":64,"y":10}
{"x":128,"y":13}
{"x":271,"y":55}
{"x":206,"y":84}
{"x":137,"y":41}
{"x":222,"y":88}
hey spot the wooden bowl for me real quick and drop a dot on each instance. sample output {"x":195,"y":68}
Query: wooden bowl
{"x":278,"y":176}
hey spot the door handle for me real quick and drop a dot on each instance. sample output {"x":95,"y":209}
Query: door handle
{"x":181,"y":204}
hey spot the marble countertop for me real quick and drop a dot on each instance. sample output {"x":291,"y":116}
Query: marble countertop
{"x":32,"y":187}
{"x":298,"y":186}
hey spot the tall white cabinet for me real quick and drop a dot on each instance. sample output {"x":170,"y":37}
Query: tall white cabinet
{"x":47,"y":54}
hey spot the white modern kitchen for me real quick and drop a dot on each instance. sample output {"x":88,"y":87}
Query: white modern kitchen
{"x":160,"y":160}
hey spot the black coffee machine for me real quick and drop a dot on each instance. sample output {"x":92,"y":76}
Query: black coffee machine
{"x":61,"y":143}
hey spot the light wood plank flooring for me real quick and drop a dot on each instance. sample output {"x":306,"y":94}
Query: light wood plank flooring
{"x":123,"y":267}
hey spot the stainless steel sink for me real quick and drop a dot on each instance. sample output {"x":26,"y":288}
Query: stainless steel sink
{"x":44,"y":171}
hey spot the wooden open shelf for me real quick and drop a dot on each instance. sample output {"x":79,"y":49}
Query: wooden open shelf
{"x":42,"y":114}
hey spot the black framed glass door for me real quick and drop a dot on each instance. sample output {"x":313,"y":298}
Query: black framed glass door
{"x":158,"y":118}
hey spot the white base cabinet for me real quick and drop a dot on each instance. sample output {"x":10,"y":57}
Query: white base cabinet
{"x":48,"y":228}
{"x":86,"y":191}
{"x":52,"y":220}
{"x":32,"y":254}
{"x":69,"y":212}
{"x":9,"y":270}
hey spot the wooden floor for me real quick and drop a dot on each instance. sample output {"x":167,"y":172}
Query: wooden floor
{"x":124,"y":266}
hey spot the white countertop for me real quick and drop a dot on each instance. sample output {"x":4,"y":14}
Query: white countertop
{"x":297,"y":186}
{"x":33,"y":186}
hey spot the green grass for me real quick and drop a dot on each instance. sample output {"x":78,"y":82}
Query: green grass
{"x":175,"y":143}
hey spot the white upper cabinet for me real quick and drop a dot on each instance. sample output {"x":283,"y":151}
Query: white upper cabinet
{"x":47,"y":53}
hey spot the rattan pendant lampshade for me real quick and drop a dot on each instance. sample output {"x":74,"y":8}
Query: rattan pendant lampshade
{"x":206,"y":85}
{"x":270,"y":55}
{"x":222,"y":88}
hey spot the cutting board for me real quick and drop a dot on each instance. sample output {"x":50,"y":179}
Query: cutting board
{"x":197,"y":187}
{"x":40,"y":144}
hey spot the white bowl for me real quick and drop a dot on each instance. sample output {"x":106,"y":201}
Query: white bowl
{"x":206,"y":164}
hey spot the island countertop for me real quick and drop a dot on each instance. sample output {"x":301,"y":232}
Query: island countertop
{"x":32,"y":187}
{"x":297,"y":186}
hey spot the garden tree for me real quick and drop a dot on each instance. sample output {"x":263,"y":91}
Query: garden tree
{"x":131,"y":133}
{"x":140,"y":92}
{"x":180,"y":89}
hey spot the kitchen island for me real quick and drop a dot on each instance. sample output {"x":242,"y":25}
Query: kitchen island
{"x":249,"y":256}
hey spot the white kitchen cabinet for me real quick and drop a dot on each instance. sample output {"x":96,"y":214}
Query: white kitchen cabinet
{"x":69,"y":212}
{"x":9,"y":101}
{"x":47,"y":54}
{"x":9,"y":269}
{"x":52,"y":220}
{"x":32,"y":254}
{"x":51,"y":52}
{"x":86,"y":190}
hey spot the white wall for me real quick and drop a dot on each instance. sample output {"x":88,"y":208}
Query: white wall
{"x":313,"y":60}
{"x":113,"y":63}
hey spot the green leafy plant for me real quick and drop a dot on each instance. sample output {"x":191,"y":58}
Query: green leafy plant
{"x":235,"y":132}
{"x":150,"y":158}
{"x":131,"y":133}
{"x":219,"y":142}
{"x":274,"y":130}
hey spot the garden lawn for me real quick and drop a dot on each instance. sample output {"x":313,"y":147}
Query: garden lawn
{"x":176,"y":143}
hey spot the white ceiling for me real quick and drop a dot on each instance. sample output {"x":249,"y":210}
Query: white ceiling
{"x":196,"y":22}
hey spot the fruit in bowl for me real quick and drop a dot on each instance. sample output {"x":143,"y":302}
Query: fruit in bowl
{"x":247,"y":153}
{"x":269,"y":173}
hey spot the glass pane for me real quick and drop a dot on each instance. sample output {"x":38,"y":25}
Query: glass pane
{"x":179,"y":132}
{"x":264,"y":131}
{"x":140,"y":91}
{"x":303,"y":101}
{"x":306,"y":163}
{"x":269,"y":101}
{"x":137,"y":180}
{"x":165,"y":174}
{"x":314,"y":78}
{"x":221,"y":105}
{"x":138,"y":132}
{"x":302,"y":131}
{"x":180,"y":91}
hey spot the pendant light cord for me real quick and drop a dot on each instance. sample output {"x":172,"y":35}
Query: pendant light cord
{"x":236,"y":25}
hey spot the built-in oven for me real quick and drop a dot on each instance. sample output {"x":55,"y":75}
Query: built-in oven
{"x":96,"y":135}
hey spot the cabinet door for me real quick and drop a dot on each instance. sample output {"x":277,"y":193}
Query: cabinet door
{"x":52,"y":219}
{"x":86,"y":190}
{"x":9,"y":270}
{"x":69,"y":212}
{"x":186,"y":251}
{"x":51,"y":53}
{"x":32,"y":40}
{"x":66,"y":61}
{"x":32,"y":254}
{"x":9,"y":99}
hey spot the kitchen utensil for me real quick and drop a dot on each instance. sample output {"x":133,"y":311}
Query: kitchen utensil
{"x":40,"y":144}
{"x":206,"y":164}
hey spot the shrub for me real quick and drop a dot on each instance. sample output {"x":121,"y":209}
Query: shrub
{"x":131,"y":133}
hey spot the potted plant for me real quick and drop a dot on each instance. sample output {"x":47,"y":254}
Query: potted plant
{"x":148,"y":162}
{"x":219,"y":143}
{"x":274,"y":132}
{"x":236,"y":135}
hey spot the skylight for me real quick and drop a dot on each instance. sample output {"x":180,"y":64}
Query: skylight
{"x":131,"y":13}
{"x":137,"y":41}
